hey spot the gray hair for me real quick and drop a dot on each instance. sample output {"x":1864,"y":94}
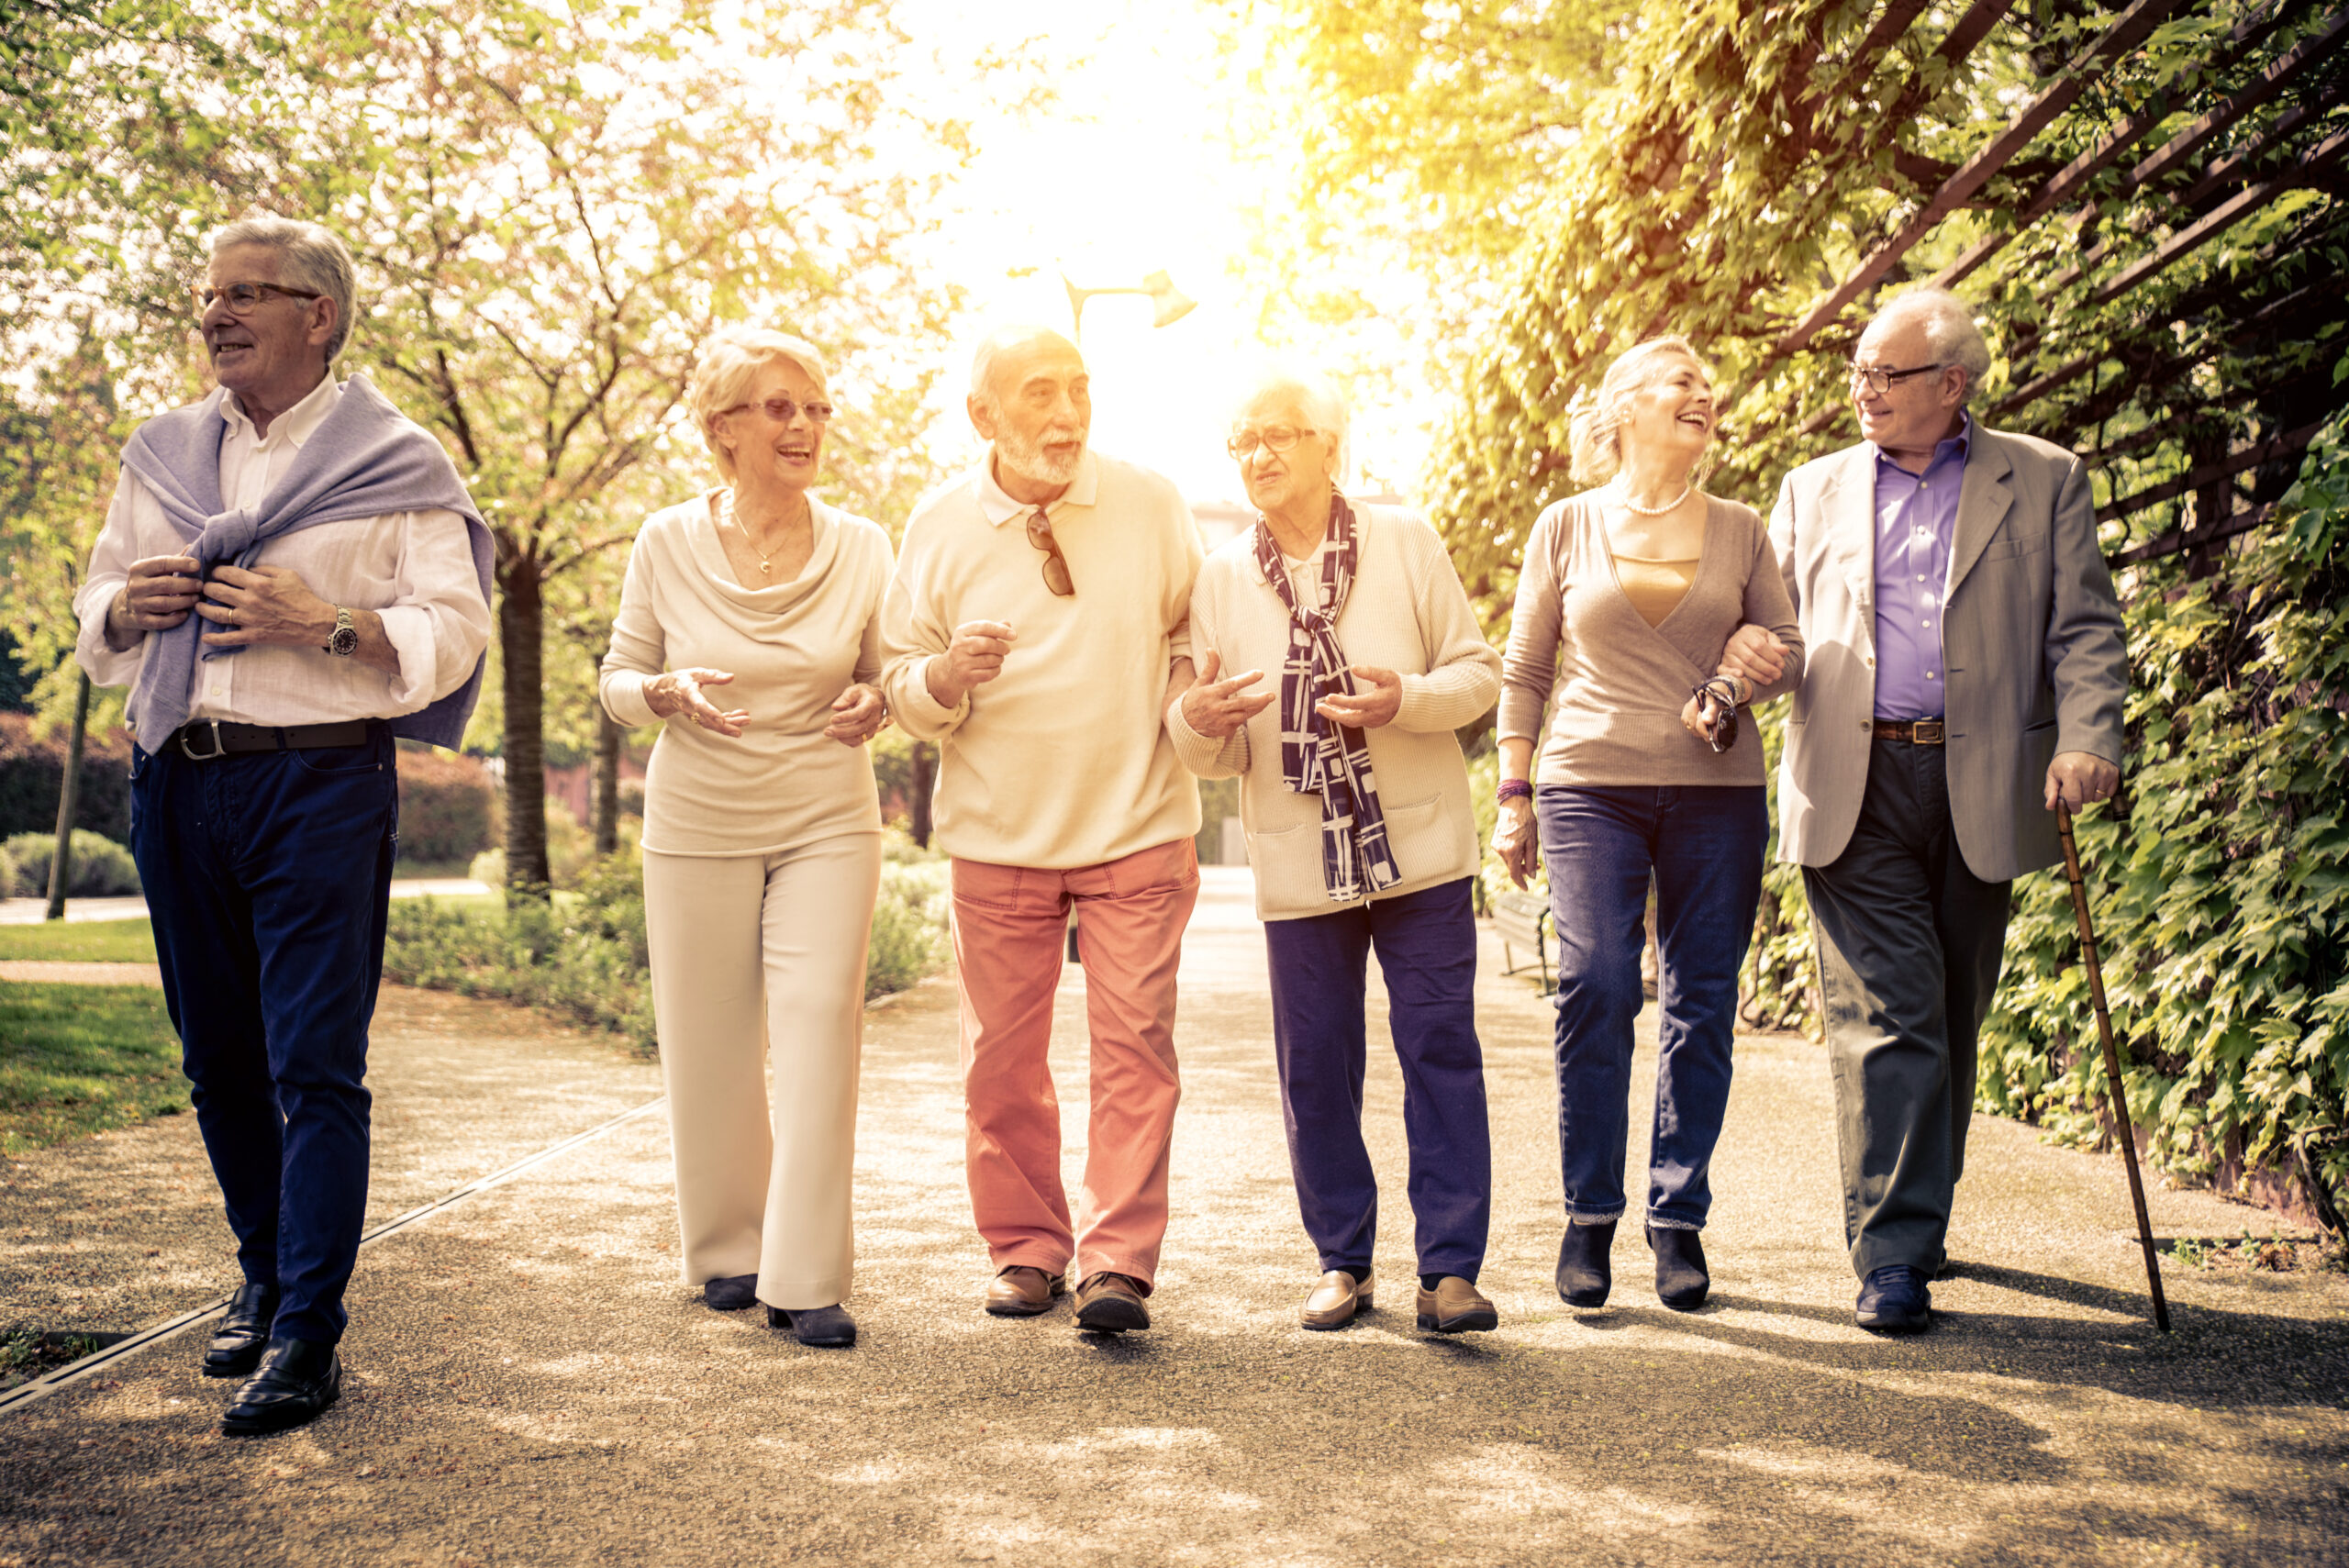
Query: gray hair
{"x":1595,"y":433}
{"x":309,"y":256}
{"x":730,"y":362}
{"x":997,"y":343}
{"x":1951,"y":336}
{"x":1318,"y":398}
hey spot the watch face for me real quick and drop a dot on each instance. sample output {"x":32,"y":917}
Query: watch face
{"x":344,"y":642}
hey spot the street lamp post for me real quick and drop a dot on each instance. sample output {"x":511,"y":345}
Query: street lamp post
{"x":1168,"y":304}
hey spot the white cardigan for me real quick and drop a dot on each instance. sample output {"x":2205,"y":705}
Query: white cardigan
{"x":1405,"y":612}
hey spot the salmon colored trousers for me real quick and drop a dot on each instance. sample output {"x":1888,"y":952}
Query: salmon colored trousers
{"x":1010,"y":924}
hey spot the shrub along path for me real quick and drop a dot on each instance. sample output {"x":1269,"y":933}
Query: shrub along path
{"x":530,"y":1385}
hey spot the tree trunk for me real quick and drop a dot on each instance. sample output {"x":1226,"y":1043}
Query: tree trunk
{"x":521,"y":645}
{"x":918,"y":808}
{"x":69,"y":794}
{"x":607,"y":784}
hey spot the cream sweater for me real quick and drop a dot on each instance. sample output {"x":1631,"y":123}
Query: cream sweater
{"x":793,"y":649}
{"x":1060,"y":759}
{"x":1405,"y":612}
{"x":1616,"y":684}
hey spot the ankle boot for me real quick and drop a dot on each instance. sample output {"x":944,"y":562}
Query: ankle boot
{"x":1586,"y":1273}
{"x":1681,"y":1280}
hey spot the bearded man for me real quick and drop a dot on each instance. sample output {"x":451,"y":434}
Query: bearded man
{"x":1037,"y":623}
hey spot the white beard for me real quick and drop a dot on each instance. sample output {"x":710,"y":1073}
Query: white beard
{"x":1030,"y":461}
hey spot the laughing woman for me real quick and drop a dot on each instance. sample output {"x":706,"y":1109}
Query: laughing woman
{"x":1628,"y":597}
{"x":761,"y":833}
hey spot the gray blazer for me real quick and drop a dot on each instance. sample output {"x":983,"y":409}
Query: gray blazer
{"x":2031,"y":631}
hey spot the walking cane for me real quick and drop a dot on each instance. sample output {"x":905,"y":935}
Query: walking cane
{"x":2114,"y":1086}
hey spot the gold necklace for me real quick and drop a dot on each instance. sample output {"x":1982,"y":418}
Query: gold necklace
{"x":766,"y":561}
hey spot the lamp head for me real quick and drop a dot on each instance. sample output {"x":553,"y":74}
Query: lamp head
{"x":1168,"y":304}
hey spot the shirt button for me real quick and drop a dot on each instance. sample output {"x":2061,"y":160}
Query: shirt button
{"x":1925,"y":623}
{"x":1929,"y":674}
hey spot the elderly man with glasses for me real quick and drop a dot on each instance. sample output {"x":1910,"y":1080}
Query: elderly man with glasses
{"x":1037,"y":622}
{"x":1966,"y":672}
{"x":291,"y":576}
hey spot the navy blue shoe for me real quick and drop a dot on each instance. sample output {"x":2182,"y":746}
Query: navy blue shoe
{"x":1894,"y":1300}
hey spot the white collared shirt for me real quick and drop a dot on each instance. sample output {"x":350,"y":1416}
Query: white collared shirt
{"x":414,"y":569}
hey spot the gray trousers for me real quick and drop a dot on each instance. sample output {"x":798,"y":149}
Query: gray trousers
{"x":1910,"y":944}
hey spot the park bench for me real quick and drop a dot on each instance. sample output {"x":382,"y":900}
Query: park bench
{"x":1522,"y":920}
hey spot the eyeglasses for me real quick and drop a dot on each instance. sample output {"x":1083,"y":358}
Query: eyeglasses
{"x":1878,"y":381}
{"x":783,"y":410}
{"x":1272,"y":438}
{"x":243,"y":299}
{"x":1056,"y":577}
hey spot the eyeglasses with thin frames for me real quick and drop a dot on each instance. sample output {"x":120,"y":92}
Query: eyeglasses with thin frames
{"x":1274,"y":438}
{"x":1056,"y":575}
{"x":1878,"y":381}
{"x":783,"y":410}
{"x":243,"y":299}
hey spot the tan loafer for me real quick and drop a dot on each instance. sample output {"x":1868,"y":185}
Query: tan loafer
{"x":1020,"y":1291}
{"x":1456,"y":1306}
{"x":1110,"y":1304}
{"x":1337,"y":1298}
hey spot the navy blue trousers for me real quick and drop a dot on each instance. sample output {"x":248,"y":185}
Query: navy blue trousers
{"x":1703,"y":846}
{"x":268,"y":877}
{"x":1427,"y":954}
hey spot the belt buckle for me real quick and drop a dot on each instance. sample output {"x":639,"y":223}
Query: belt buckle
{"x":1926,"y":732}
{"x":218,"y":748}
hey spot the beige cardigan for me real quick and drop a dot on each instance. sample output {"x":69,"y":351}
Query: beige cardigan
{"x":792,"y":647}
{"x":1407,"y":612}
{"x":1616,"y":684}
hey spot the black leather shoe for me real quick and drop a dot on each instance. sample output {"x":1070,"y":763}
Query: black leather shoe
{"x":819,"y":1326}
{"x":732,"y":1293}
{"x":297,"y":1380}
{"x":1894,"y":1300}
{"x":1585,"y":1272}
{"x":237,"y":1344}
{"x":1681,"y":1280}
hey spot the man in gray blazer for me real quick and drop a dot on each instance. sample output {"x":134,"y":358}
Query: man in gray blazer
{"x":1966,"y":669}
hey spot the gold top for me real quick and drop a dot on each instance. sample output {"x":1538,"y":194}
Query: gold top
{"x":1654,"y":587}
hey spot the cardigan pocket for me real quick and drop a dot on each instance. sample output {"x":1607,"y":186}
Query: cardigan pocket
{"x":1429,"y":841}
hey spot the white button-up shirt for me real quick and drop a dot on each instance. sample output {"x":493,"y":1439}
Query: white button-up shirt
{"x":414,"y":569}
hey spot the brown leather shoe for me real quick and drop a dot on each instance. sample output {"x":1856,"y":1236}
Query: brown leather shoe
{"x":1110,"y":1304}
{"x":1337,"y":1298}
{"x":1020,"y":1291}
{"x":1456,"y":1306}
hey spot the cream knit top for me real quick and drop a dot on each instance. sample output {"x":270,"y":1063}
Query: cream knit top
{"x":792,"y":647}
{"x":1616,"y":684}
{"x":1405,"y":612}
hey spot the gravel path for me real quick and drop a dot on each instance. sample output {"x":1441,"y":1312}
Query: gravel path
{"x":530,"y":1385}
{"x":72,"y":971}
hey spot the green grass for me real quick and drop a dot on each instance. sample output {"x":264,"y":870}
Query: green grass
{"x":80,"y":941}
{"x":80,"y":1059}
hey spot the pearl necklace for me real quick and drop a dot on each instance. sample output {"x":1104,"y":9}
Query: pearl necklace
{"x":1631,"y":505}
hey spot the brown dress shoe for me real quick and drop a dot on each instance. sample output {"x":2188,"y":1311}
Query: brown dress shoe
{"x":1110,"y":1304}
{"x":1456,"y":1306}
{"x":1020,"y":1291}
{"x":1337,"y":1298}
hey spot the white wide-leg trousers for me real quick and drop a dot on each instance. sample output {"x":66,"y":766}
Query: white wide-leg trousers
{"x":756,"y":956}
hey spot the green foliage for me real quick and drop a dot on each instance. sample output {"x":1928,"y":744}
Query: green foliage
{"x":2220,"y":892}
{"x":446,"y":803}
{"x":32,"y":772}
{"x":101,"y":869}
{"x":80,"y":1059}
{"x":80,"y":941}
{"x":910,"y":927}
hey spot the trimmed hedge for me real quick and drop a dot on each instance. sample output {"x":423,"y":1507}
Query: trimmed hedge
{"x":32,"y":772}
{"x":446,"y":805}
{"x":102,"y":868}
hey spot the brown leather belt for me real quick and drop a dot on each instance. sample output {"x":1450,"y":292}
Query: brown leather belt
{"x":202,"y":740}
{"x":1916,"y":731}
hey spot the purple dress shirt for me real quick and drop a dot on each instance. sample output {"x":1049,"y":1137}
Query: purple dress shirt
{"x":1916,"y":520}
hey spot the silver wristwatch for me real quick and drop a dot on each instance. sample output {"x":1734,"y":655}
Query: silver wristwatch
{"x":343,"y":641}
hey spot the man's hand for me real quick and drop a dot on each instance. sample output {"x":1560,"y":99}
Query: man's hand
{"x":2079,"y":777}
{"x":1515,"y":840}
{"x":1214,"y":708}
{"x":264,"y":604}
{"x":1755,"y":654}
{"x":1366,"y":709}
{"x":679,"y":691}
{"x":858,"y":715}
{"x":974,"y":656}
{"x":162,"y":590}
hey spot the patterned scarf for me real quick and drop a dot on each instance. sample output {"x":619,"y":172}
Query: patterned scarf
{"x":1319,"y":756}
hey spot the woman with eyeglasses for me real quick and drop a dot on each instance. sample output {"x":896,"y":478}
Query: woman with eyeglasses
{"x":1354,"y":656}
{"x":749,"y":626}
{"x":1629,"y":597}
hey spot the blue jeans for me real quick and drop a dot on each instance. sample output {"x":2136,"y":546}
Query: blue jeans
{"x":1703,"y":845}
{"x":268,"y":877}
{"x":1427,"y":954}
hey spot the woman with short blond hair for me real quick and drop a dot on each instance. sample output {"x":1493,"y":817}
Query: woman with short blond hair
{"x":762,"y":831}
{"x":1628,"y":595}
